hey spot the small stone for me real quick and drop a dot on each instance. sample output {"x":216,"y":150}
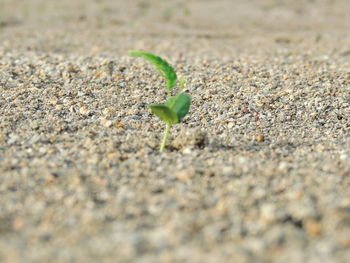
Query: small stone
{"x":72,"y":69}
{"x":187,"y":150}
{"x":222,"y":207}
{"x":133,"y":117}
{"x":268,"y":213}
{"x":313,"y":228}
{"x":107,"y":112}
{"x":185,"y":175}
{"x":243,"y":160}
{"x":282,"y":166}
{"x":344,"y":157}
{"x":34,"y":125}
{"x":227,"y":170}
{"x":91,"y":134}
{"x":260,"y":138}
{"x":84,"y":110}
{"x":18,"y":224}
{"x":73,"y":109}
{"x":53,"y":101}
{"x":106,"y":123}
{"x":230,"y":125}
{"x":111,"y":156}
{"x":119,"y":125}
{"x":59,"y":107}
{"x":13,"y":139}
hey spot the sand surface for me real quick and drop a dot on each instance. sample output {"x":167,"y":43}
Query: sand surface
{"x":258,"y":171}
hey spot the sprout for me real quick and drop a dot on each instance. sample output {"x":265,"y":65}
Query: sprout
{"x":176,"y":107}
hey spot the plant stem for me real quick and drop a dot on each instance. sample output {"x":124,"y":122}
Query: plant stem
{"x":165,"y":137}
{"x":169,"y":93}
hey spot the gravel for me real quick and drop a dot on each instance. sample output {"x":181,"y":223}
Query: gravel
{"x":258,"y":171}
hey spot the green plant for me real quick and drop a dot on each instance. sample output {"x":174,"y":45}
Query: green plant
{"x":176,"y":107}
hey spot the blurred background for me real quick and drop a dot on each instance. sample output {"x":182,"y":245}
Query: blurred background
{"x":118,"y":25}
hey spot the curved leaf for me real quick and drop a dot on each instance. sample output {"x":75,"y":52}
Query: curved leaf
{"x":180,"y":104}
{"x":164,"y":113}
{"x":166,"y":70}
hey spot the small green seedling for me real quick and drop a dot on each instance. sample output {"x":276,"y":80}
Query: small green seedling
{"x":176,"y":107}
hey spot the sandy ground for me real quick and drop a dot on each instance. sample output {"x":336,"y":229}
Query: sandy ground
{"x":259,"y":170}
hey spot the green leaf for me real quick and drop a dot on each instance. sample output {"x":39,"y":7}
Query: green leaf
{"x":180,"y":104}
{"x":165,"y":69}
{"x":164,"y":113}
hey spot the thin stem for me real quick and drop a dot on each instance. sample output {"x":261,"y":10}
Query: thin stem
{"x":165,"y":137}
{"x":169,"y":93}
{"x":182,"y":84}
